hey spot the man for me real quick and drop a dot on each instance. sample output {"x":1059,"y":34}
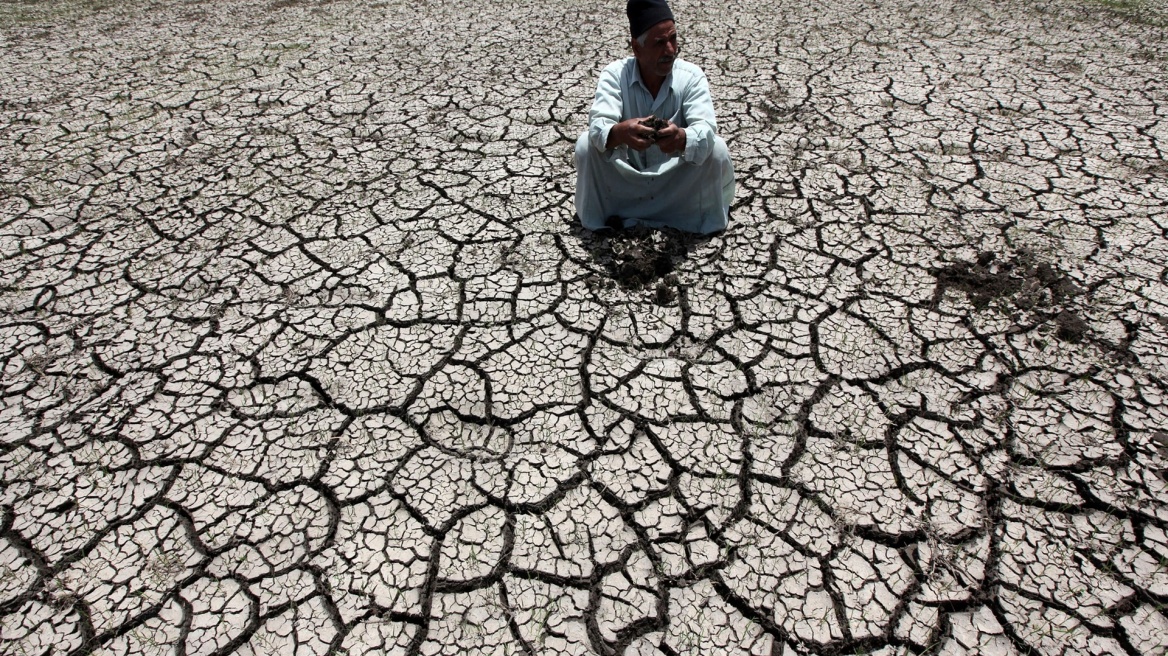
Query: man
{"x":629,"y":172}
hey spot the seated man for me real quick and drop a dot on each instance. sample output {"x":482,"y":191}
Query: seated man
{"x":630,"y":172}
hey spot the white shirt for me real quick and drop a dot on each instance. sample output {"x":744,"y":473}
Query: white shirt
{"x":684,"y":99}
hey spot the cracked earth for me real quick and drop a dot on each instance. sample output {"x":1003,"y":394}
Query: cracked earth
{"x":303,"y":350}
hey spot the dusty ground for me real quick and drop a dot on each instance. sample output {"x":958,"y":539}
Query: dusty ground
{"x":303,"y":351}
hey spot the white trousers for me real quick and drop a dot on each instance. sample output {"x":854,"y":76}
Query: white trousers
{"x":677,"y":194}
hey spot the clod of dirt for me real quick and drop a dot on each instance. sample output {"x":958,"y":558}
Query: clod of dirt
{"x":657,"y":123}
{"x":637,"y":271}
{"x":1071,"y":328}
{"x":596,"y":282}
{"x":663,"y":264}
{"x":665,"y":294}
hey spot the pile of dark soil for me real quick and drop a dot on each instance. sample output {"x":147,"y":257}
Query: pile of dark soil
{"x":639,"y":258}
{"x":1071,"y":327}
{"x":1025,"y":281}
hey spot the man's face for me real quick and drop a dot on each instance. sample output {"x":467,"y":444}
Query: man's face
{"x":660,"y":49}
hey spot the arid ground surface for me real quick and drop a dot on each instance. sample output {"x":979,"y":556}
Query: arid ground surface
{"x":302,"y":350}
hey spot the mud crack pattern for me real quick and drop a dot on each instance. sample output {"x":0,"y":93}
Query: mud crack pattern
{"x":304,"y":353}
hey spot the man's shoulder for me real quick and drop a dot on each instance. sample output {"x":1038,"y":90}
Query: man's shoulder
{"x":621,"y":66}
{"x":683,"y":68}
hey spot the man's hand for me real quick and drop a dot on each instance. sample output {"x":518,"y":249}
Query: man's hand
{"x":631,"y":133}
{"x":671,"y":140}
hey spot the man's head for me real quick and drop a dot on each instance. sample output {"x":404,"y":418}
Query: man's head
{"x":654,"y":36}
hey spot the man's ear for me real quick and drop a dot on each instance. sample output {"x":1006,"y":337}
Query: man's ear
{"x":633,"y":45}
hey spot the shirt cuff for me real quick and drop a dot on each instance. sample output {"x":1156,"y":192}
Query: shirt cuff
{"x":691,"y":148}
{"x":602,"y":138}
{"x":697,"y":148}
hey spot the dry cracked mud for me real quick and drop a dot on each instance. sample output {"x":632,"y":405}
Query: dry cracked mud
{"x":304,"y":353}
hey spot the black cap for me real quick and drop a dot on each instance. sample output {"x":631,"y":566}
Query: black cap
{"x":644,"y":14}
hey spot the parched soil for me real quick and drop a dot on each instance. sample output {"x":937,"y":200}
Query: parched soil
{"x":302,"y":351}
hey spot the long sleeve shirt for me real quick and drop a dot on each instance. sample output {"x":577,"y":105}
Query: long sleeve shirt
{"x":684,"y":99}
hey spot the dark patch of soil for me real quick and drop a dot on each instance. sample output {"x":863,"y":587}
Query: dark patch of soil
{"x":981,"y":281}
{"x":1027,"y":282}
{"x":639,"y":257}
{"x":1032,"y":283}
{"x":640,"y":262}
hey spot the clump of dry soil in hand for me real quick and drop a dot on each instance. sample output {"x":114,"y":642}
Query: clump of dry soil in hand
{"x":657,"y":123}
{"x":1027,"y":282}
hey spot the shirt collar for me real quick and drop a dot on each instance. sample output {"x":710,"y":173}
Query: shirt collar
{"x":667,"y":84}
